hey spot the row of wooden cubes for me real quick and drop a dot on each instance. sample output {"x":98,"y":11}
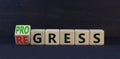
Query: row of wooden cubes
{"x":62,"y":37}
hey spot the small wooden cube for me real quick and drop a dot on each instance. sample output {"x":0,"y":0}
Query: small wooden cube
{"x":66,"y":37}
{"x":22,"y":34}
{"x":52,"y":37}
{"x":37,"y":37}
{"x":96,"y":37}
{"x":22,"y":39}
{"x":81,"y":37}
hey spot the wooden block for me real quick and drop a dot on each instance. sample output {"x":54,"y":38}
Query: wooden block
{"x":96,"y":37}
{"x":66,"y":37}
{"x":22,"y":34}
{"x":37,"y":37}
{"x":22,"y":39}
{"x":81,"y":37}
{"x":52,"y":37}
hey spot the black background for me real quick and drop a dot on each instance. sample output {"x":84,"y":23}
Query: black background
{"x":60,"y":14}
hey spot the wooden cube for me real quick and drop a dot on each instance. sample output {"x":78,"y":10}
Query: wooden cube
{"x":81,"y":37}
{"x":52,"y":37}
{"x":37,"y":37}
{"x":96,"y":37}
{"x":66,"y":37}
{"x":22,"y":34}
{"x":22,"y":39}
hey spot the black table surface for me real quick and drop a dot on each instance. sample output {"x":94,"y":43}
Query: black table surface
{"x":60,"y":14}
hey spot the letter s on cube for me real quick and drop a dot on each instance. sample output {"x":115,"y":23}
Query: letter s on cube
{"x":97,"y":37}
